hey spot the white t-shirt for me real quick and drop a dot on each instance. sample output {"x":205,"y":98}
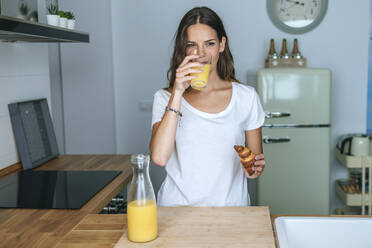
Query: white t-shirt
{"x":204,"y":168}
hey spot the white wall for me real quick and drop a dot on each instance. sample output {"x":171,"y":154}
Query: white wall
{"x":87,"y":87}
{"x":142,"y":35}
{"x":24,"y":75}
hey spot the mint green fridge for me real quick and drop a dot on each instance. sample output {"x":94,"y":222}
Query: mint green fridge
{"x":296,"y":140}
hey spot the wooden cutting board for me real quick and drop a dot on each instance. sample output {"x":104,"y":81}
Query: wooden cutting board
{"x":210,"y":227}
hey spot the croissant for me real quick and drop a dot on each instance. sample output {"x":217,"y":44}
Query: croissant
{"x":246,"y":158}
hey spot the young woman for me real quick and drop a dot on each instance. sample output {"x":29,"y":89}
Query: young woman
{"x":194,"y":131}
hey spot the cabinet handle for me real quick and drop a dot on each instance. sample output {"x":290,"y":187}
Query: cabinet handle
{"x":270,"y":115}
{"x":268,"y":140}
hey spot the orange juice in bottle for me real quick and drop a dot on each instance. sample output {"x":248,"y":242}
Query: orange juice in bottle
{"x":141,"y":209}
{"x":142,"y":221}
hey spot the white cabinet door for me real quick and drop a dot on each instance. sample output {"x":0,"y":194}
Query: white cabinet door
{"x":296,"y":178}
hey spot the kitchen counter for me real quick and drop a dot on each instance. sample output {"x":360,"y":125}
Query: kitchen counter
{"x":46,"y":228}
{"x":213,"y":226}
{"x":181,"y":227}
{"x":225,"y":225}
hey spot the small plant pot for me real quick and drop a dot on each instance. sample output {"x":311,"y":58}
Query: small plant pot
{"x":63,"y":22}
{"x":53,"y":20}
{"x":71,"y":24}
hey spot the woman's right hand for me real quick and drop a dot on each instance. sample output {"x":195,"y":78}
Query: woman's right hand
{"x":183,"y":77}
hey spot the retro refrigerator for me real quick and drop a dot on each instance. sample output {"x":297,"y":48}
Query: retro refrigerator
{"x":296,"y":140}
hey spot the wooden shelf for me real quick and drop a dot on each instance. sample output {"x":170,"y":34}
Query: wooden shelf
{"x":285,"y":63}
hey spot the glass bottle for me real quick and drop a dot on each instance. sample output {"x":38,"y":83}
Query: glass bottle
{"x":295,"y":51}
{"x":284,"y":52}
{"x":272,"y":52}
{"x":141,"y":208}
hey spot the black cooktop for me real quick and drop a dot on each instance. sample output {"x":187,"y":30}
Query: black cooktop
{"x":52,"y":189}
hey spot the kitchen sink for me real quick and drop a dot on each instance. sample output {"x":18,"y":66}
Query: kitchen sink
{"x":338,"y":232}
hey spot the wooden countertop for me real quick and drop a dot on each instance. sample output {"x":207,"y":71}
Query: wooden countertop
{"x":181,"y":227}
{"x":108,"y":230}
{"x":46,"y":228}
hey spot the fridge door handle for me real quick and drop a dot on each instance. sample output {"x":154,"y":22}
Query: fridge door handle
{"x":270,"y":115}
{"x":268,"y":140}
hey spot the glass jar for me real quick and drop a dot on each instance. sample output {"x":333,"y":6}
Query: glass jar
{"x":141,"y":208}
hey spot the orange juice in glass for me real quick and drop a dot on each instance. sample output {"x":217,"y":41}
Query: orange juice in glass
{"x":142,"y":221}
{"x":202,"y":80}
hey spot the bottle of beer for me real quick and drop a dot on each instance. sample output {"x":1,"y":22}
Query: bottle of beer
{"x":272,"y":52}
{"x":284,"y":52}
{"x":295,"y":52}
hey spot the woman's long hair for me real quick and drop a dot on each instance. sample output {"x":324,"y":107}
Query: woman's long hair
{"x":202,"y":15}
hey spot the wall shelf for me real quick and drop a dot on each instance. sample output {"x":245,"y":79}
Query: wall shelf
{"x":14,"y":29}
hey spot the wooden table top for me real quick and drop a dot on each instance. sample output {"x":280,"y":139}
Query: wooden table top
{"x":46,"y":228}
{"x":181,"y":227}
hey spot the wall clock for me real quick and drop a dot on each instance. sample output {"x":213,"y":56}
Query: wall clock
{"x":296,"y":17}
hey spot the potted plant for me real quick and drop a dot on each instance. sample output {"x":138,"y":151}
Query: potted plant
{"x":70,"y":20}
{"x":33,"y":16}
{"x":23,"y":10}
{"x":63,"y":19}
{"x":53,"y":17}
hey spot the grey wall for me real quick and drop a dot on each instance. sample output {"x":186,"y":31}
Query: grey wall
{"x":11,"y":7}
{"x":24,"y":75}
{"x":142,"y":34}
{"x":87,"y":90}
{"x":56,"y":90}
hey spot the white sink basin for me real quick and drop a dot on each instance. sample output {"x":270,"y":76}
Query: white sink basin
{"x":319,"y":232}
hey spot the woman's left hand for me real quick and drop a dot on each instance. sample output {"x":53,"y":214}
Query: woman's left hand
{"x":259,"y":166}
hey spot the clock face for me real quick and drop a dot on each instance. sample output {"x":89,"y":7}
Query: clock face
{"x":297,"y":13}
{"x":296,"y":16}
